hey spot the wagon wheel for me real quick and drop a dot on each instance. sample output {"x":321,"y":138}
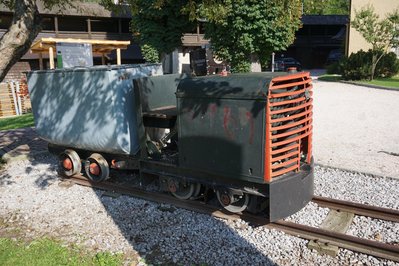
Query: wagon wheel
{"x":232,"y":202}
{"x":185,"y":190}
{"x":69,"y":163}
{"x":97,"y":168}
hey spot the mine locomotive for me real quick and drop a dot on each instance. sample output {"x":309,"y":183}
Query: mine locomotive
{"x":247,"y":138}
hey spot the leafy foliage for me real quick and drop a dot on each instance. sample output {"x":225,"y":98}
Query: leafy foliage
{"x":48,"y":4}
{"x":356,"y":66}
{"x":381,"y":34}
{"x":150,"y":54}
{"x":359,"y":65}
{"x":253,"y":28}
{"x":334,"y":68}
{"x":238,"y":29}
{"x":160,"y":24}
{"x":326,"y":7}
{"x":388,"y":66}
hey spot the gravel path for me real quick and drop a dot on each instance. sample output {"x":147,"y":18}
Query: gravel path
{"x":356,"y":128}
{"x":33,"y":198}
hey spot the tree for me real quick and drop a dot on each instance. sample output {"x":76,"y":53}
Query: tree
{"x":380,"y":34}
{"x":252,"y":30}
{"x":25,"y":26}
{"x":240,"y":31}
{"x":160,"y":25}
{"x":326,"y":7}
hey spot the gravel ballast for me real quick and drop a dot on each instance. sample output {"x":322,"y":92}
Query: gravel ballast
{"x":33,"y":198}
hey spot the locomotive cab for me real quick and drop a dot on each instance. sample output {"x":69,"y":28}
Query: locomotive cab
{"x":247,"y":136}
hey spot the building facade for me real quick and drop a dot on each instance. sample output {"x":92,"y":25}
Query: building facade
{"x":355,"y":41}
{"x":318,"y":36}
{"x":91,"y":21}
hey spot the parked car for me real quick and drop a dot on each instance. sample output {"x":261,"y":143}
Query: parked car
{"x":283,"y":63}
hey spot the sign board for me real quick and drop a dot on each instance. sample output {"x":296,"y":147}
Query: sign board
{"x":74,"y":54}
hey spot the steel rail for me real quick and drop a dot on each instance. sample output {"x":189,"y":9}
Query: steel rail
{"x":370,"y":247}
{"x":358,"y":209}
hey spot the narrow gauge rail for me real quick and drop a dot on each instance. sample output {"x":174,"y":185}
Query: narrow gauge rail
{"x":358,"y":209}
{"x":369,"y":247}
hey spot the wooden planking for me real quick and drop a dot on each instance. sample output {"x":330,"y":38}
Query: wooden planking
{"x":7,"y":103}
{"x":336,"y":221}
{"x":44,"y":45}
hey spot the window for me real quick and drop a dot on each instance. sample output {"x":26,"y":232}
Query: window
{"x":125,"y":23}
{"x":48,"y":24}
{"x":5,"y":21}
{"x":104,"y":25}
{"x":72,"y":24}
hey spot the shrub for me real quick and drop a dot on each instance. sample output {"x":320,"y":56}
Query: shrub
{"x":358,"y":66}
{"x":334,"y":68}
{"x":388,"y":66}
{"x":150,"y":54}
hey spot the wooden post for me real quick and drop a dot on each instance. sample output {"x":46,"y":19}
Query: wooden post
{"x":102,"y":59}
{"x":56,"y":26}
{"x":41,"y":61}
{"x":89,"y":27}
{"x":118,"y":56}
{"x":51,"y":57}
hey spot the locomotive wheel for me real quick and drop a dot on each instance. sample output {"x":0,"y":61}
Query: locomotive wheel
{"x":186,"y":190}
{"x":231,"y":202}
{"x":97,"y":168}
{"x":69,"y":163}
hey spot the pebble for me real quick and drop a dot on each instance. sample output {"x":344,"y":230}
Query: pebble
{"x":163,"y":234}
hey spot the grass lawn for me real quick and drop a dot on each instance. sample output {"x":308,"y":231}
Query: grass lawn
{"x":384,"y":82}
{"x":17,"y":122}
{"x":50,"y":252}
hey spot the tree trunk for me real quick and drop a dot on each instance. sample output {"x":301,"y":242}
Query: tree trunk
{"x":26,"y":24}
{"x":255,"y":64}
{"x":373,"y":65}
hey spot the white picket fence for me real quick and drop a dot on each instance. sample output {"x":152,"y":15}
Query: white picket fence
{"x":13,"y":99}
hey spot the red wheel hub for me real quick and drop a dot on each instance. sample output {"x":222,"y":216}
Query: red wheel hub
{"x":67,"y":164}
{"x":94,"y":169}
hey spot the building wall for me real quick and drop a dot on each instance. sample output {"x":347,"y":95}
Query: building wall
{"x":381,"y":7}
{"x":16,"y":73}
{"x":92,"y":22}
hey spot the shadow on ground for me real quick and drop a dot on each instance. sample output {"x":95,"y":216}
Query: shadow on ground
{"x":163,"y":234}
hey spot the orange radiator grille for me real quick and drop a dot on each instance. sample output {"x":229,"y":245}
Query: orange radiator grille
{"x":289,"y":121}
